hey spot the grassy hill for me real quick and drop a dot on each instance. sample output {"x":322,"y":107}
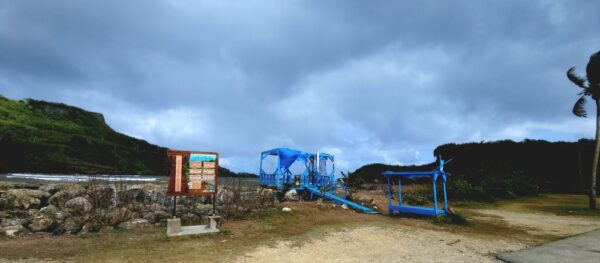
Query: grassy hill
{"x":44,"y":137}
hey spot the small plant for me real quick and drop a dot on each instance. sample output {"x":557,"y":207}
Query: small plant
{"x":450,"y":219}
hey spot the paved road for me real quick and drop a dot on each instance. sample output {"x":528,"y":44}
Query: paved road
{"x":581,"y":248}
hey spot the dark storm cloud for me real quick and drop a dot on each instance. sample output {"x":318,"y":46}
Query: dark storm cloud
{"x":383,"y":82}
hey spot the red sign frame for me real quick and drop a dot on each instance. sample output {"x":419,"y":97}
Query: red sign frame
{"x":178,"y":181}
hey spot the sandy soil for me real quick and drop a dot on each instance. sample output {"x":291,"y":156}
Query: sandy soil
{"x":384,"y":244}
{"x":405,"y":243}
{"x":543,"y":223}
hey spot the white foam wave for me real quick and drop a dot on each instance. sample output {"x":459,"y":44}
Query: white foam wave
{"x":82,"y":178}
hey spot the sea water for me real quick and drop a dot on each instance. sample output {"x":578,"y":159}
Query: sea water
{"x":133,"y":179}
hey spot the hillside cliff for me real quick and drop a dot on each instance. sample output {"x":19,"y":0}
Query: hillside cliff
{"x":45,"y":137}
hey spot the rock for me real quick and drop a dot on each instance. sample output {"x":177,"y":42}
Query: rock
{"x":18,"y":185}
{"x":101,"y":196}
{"x":151,"y":217}
{"x":319,"y":201}
{"x":6,"y":222}
{"x":156,"y":207}
{"x":92,"y":226}
{"x":117,"y":216}
{"x":135,"y":224}
{"x":344,"y":206}
{"x":292,"y":195}
{"x":71,"y":225}
{"x":11,"y":231}
{"x":162,"y":216}
{"x":24,"y":198}
{"x":225,"y":196}
{"x":42,"y":223}
{"x":66,"y":192}
{"x":203,"y":209}
{"x":50,"y":188}
{"x":78,"y":206}
{"x":49,"y":210}
{"x":286,"y":209}
{"x":190,"y":218}
{"x":60,"y":216}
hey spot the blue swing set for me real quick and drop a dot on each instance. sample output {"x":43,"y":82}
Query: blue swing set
{"x":436,"y":174}
{"x":314,"y":177}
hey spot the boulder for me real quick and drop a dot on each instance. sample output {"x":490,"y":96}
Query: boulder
{"x":24,"y":198}
{"x":78,"y":206}
{"x":50,"y":188}
{"x":42,"y":223}
{"x":18,"y":185}
{"x":292,"y":195}
{"x":11,"y":231}
{"x":190,"y":218}
{"x":66,"y":192}
{"x":49,"y":210}
{"x":156,"y":207}
{"x":101,"y":196}
{"x":117,"y":216}
{"x":60,"y":216}
{"x":203,"y":209}
{"x":225,"y":196}
{"x":13,"y":222}
{"x":135,"y":224}
{"x":71,"y":225}
{"x":92,"y":226}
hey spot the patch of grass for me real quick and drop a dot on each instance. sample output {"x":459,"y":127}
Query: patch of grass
{"x":450,"y":219}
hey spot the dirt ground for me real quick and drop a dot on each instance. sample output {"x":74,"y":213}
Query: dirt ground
{"x":400,"y":242}
{"x":385,"y":244}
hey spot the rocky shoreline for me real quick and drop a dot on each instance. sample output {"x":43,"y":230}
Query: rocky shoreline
{"x":68,"y":208}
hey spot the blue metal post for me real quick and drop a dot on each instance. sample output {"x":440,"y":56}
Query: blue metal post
{"x":278,"y":173}
{"x":434,"y":177}
{"x":261,"y":179}
{"x":445,"y":196}
{"x":399,"y":192}
{"x":390,"y":211}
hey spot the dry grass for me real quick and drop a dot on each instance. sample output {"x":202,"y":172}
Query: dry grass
{"x":306,"y":222}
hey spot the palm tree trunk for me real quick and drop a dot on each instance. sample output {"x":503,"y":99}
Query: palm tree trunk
{"x":596,"y":156}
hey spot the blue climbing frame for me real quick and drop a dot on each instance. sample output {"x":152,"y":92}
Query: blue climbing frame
{"x":314,"y":179}
{"x":282,"y":176}
{"x":436,"y":174}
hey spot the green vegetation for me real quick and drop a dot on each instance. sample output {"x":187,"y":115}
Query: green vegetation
{"x":45,"y":137}
{"x":502,"y":169}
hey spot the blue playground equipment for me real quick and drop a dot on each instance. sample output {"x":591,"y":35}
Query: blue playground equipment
{"x":314,"y":176}
{"x":434,"y":175}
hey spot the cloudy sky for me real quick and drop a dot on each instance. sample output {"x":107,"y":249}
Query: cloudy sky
{"x":368,"y":81}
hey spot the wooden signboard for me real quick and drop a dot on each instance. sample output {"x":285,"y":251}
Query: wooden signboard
{"x":193,"y":173}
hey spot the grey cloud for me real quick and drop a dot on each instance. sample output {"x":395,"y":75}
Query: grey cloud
{"x":381,"y":82}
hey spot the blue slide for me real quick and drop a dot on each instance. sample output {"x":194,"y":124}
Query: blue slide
{"x":340,"y":200}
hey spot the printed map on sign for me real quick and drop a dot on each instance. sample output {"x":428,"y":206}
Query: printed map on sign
{"x":193,"y":173}
{"x":200,"y":172}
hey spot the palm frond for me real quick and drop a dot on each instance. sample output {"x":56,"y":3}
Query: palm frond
{"x":579,"y":81}
{"x":579,"y":107}
{"x":593,"y":70}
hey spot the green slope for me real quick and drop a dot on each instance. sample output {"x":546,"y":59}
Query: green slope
{"x":44,"y":137}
